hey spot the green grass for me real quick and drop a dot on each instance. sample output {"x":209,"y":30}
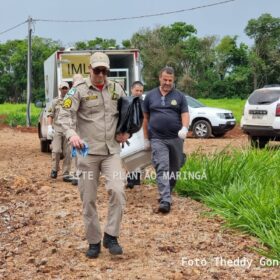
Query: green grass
{"x":15,"y":114}
{"x":243,"y":187}
{"x":235,"y":105}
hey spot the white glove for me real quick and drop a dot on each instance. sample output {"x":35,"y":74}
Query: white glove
{"x":50,"y":132}
{"x":183,"y":132}
{"x":147,"y":144}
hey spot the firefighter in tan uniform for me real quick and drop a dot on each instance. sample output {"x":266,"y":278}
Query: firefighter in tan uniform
{"x":59,"y":141}
{"x":95,"y":104}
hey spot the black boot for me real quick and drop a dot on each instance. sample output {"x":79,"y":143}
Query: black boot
{"x":67,"y":178}
{"x":133,"y":179}
{"x":164,"y":207}
{"x":53,"y":174}
{"x":75,"y":181}
{"x":93,"y":250}
{"x":111,"y":242}
{"x":129,"y":185}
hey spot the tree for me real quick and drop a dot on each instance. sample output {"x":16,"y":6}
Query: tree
{"x":13,"y":57}
{"x":265,"y":60}
{"x":97,"y":43}
{"x":42,"y":48}
{"x":126,"y":44}
{"x":160,"y":47}
{"x":203,"y":68}
{"x":13,"y":67}
{"x":232,"y":66}
{"x":199,"y":73}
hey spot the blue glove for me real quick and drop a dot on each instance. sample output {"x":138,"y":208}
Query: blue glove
{"x":83,"y":151}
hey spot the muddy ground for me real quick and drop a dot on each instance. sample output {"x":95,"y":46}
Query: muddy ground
{"x":42,"y":234}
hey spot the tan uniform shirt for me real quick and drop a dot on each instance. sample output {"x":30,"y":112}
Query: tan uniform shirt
{"x":97,"y":116}
{"x":54,"y":111}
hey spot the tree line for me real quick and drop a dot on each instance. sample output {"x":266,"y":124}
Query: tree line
{"x":205,"y":67}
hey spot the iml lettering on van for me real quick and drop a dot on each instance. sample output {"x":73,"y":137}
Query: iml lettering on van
{"x":74,"y":64}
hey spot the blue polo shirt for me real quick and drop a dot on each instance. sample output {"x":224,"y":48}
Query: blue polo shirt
{"x":165,"y":113}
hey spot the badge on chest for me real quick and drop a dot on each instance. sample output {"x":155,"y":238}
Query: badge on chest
{"x":91,"y":97}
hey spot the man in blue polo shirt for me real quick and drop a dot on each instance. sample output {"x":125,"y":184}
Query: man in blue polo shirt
{"x":166,"y":122}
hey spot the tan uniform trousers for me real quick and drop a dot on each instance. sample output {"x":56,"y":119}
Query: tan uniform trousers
{"x":61,"y":145}
{"x":89,"y":169}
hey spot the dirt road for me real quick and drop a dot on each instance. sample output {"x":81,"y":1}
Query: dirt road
{"x":42,"y":233}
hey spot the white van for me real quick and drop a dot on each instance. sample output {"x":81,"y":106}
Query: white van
{"x":125,"y":68}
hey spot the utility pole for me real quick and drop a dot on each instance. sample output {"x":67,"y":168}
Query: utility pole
{"x":29,"y":74}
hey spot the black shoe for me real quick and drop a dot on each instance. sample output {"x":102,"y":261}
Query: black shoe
{"x":53,"y":174}
{"x":130,"y":185}
{"x":67,"y":178}
{"x":160,"y":199}
{"x":164,"y":207}
{"x":74,"y":181}
{"x":111,"y":242}
{"x":93,"y":250}
{"x":133,"y":179}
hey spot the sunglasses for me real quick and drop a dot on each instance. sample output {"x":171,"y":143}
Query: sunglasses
{"x":97,"y":71}
{"x":163,"y":100}
{"x":65,"y":88}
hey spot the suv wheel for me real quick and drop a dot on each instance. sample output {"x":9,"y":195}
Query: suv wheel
{"x":258,"y":142}
{"x":201,"y":129}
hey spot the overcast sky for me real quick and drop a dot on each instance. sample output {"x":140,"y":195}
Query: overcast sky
{"x":227,"y":19}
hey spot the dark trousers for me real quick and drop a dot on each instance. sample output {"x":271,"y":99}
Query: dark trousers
{"x":167,"y":158}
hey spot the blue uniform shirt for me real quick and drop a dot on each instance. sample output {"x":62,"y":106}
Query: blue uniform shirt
{"x":165,"y":113}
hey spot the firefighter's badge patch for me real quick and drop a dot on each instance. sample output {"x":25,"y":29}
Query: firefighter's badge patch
{"x":71,"y":91}
{"x":67,"y":103}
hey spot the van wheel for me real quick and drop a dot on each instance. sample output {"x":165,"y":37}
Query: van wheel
{"x":201,"y":129}
{"x":45,"y":146}
{"x":258,"y":142}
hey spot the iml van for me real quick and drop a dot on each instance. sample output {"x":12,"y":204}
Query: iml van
{"x":125,"y":68}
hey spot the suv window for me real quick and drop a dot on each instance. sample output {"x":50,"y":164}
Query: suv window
{"x":193,"y":102}
{"x":264,"y":96}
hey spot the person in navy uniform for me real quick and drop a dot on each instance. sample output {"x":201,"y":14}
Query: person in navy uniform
{"x":165,"y":125}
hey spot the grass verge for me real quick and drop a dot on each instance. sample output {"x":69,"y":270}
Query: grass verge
{"x":243,"y":187}
{"x":15,"y":114}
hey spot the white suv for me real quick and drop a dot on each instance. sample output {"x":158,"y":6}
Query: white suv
{"x":206,"y":121}
{"x":261,"y":116}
